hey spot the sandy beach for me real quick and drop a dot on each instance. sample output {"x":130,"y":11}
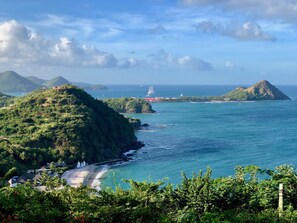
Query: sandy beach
{"x":89,"y":175}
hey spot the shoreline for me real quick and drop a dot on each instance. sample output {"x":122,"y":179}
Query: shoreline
{"x":89,"y":175}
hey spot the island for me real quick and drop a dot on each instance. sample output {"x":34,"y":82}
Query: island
{"x":260,"y":91}
{"x":129,"y":105}
{"x":61,"y":124}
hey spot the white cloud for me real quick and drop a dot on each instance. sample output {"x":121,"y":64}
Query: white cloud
{"x":285,"y":10}
{"x":246,"y":31}
{"x":229,"y":65}
{"x":129,"y":62}
{"x":163,"y":58}
{"x":18,"y":45}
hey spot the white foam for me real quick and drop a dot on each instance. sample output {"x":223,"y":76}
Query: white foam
{"x":132,"y":151}
{"x":96,"y":182}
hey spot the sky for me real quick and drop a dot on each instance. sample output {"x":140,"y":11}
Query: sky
{"x":151,"y":41}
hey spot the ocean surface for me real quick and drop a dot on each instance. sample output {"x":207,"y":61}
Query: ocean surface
{"x":192,"y":136}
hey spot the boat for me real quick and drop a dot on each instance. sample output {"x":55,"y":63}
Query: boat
{"x":150,"y":92}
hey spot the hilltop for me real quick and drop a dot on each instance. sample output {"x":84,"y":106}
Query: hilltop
{"x":10,"y":81}
{"x":262,"y":90}
{"x":57,"y":81}
{"x":61,"y":123}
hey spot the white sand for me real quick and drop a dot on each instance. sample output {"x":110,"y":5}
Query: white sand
{"x":88,"y":175}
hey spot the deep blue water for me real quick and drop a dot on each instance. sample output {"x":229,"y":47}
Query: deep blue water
{"x":191,"y":136}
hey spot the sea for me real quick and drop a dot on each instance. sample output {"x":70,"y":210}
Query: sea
{"x":188,"y":137}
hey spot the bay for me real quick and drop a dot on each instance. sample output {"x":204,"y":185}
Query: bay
{"x":192,"y":136}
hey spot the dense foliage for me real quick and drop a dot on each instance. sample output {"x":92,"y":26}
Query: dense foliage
{"x":61,"y":123}
{"x":129,"y":105}
{"x":201,"y":198}
{"x":5,"y":100}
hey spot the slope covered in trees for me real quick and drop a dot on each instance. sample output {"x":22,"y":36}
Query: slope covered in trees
{"x":129,"y":105}
{"x":61,"y":123}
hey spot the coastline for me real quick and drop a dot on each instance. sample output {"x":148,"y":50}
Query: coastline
{"x":91,"y":175}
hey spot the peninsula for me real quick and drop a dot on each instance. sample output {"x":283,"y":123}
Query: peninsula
{"x":260,"y":91}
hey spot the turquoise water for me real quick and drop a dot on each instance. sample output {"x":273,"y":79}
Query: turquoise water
{"x":191,"y":136}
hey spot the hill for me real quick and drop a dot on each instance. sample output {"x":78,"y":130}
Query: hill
{"x":57,"y":81}
{"x":262,"y":90}
{"x":10,"y":81}
{"x":62,"y":123}
{"x":129,"y":105}
{"x":36,"y":80}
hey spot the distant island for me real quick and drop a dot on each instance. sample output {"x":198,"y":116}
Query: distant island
{"x":61,"y":123}
{"x":129,"y":105}
{"x":10,"y":82}
{"x":260,"y":91}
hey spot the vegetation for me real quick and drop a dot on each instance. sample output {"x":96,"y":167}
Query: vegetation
{"x":239,"y":198}
{"x":5,"y":99}
{"x":135,"y":122}
{"x":57,"y":81}
{"x":262,"y":90}
{"x":62,"y":123}
{"x":129,"y":105}
{"x":12,"y":82}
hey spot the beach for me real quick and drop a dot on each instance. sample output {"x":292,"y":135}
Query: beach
{"x":88,"y":175}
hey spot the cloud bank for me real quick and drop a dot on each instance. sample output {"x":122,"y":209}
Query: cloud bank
{"x":18,"y":45}
{"x":187,"y":62}
{"x":246,"y":31}
{"x":285,"y":10}
{"x":21,"y":46}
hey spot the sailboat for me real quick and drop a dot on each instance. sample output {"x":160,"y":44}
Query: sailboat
{"x":150,"y":92}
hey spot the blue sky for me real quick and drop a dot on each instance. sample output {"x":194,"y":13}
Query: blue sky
{"x":151,"y":41}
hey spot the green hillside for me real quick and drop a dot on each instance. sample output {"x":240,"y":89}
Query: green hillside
{"x":4,"y":99}
{"x":36,"y":80}
{"x":57,"y":81}
{"x":10,"y":81}
{"x":61,"y":123}
{"x":129,"y":105}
